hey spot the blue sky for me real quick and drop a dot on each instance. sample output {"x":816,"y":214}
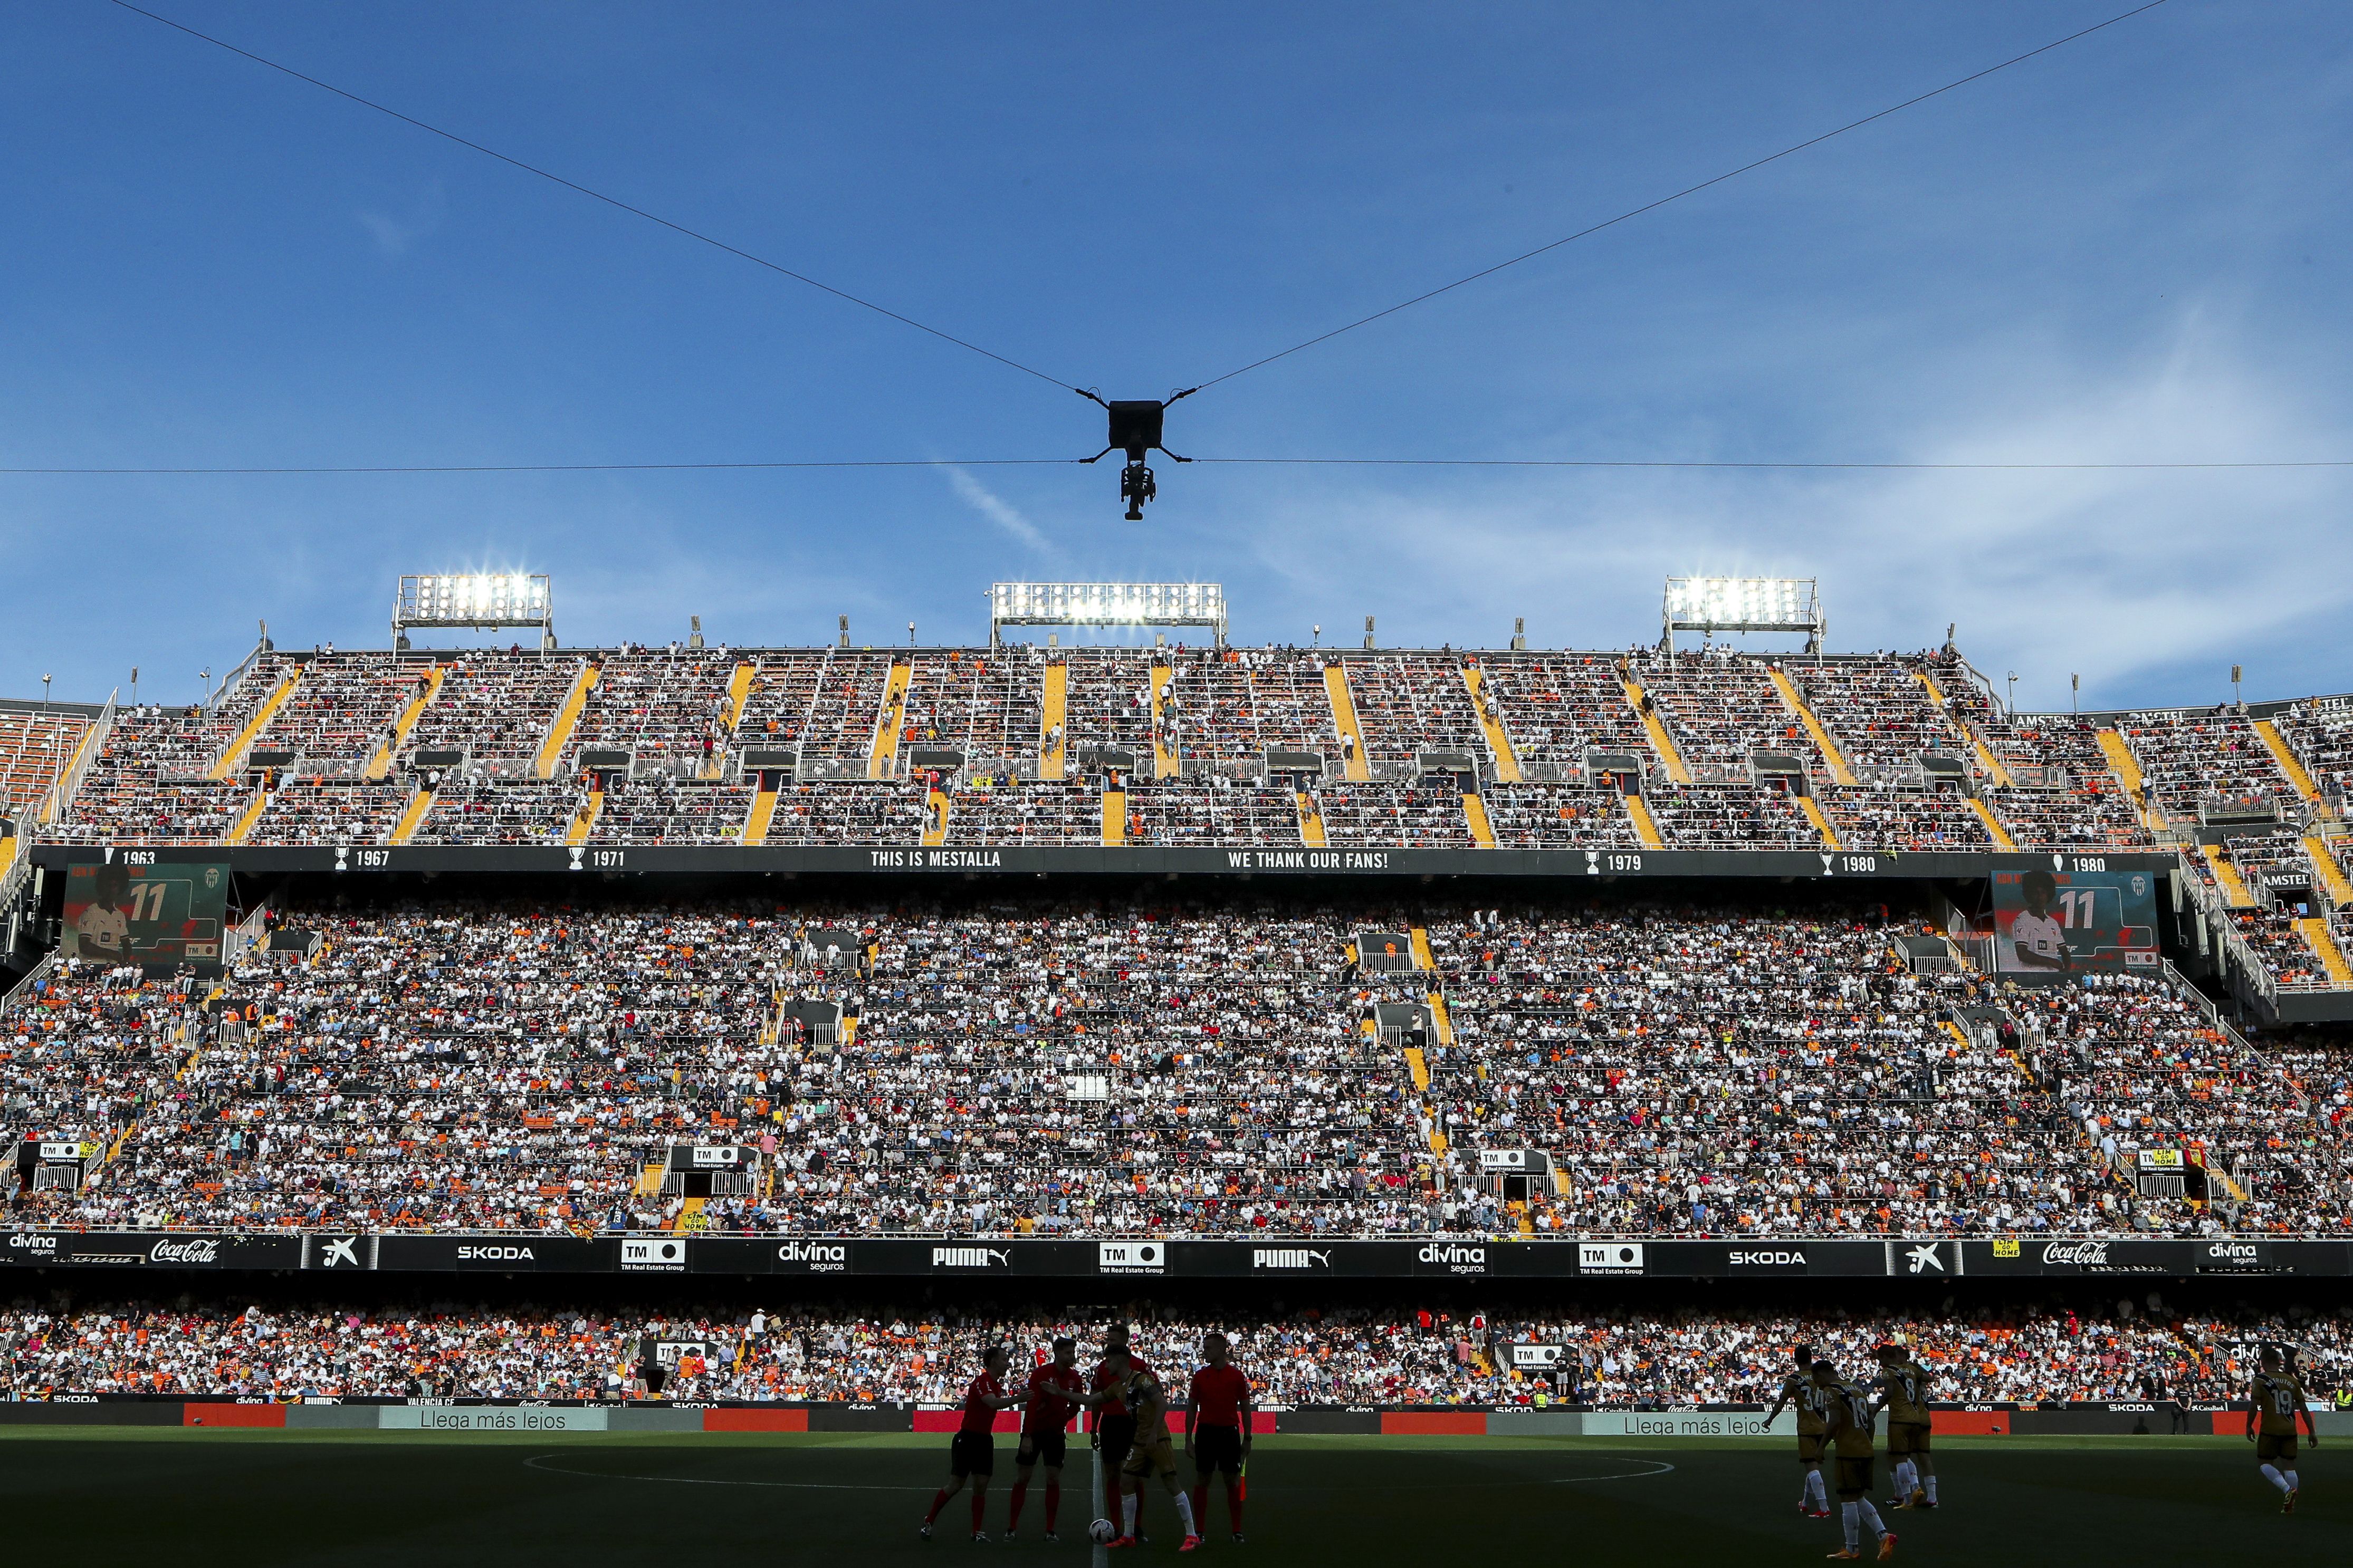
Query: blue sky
{"x":2131,"y":248}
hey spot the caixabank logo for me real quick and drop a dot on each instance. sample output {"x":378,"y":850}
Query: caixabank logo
{"x":1609,"y":1257}
{"x":1131,"y":1257}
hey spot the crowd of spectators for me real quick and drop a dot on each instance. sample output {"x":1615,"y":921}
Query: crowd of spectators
{"x":2320,"y":731}
{"x":2138,"y":1348}
{"x":2203,"y":757}
{"x":669,"y":709}
{"x":1052,"y":1063}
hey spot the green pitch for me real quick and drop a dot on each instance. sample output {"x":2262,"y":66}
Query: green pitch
{"x":266,"y":1498}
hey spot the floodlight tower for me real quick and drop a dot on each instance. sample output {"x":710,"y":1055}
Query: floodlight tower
{"x":482,"y":599}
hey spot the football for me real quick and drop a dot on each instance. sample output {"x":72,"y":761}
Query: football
{"x":1102,"y":1531}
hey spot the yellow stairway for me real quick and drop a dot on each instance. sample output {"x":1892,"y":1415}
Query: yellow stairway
{"x":1507,"y":760}
{"x":935,"y":832}
{"x":1644,"y":828}
{"x":567,"y":718}
{"x":2127,"y":768}
{"x":8,"y":855}
{"x":2234,"y":887}
{"x":1164,"y":761}
{"x":885,"y":756}
{"x":2324,"y":866}
{"x":2268,"y":732}
{"x":1114,"y":816}
{"x":2001,"y":838}
{"x":251,"y":815}
{"x":412,"y":818}
{"x":254,"y":726}
{"x":1986,"y":759}
{"x":1311,"y":824}
{"x":1474,"y":813}
{"x":763,"y":811}
{"x":54,"y":801}
{"x":1343,"y":716}
{"x":1052,"y":755}
{"x":690,"y":1215}
{"x":1813,"y":810}
{"x":739,"y":692}
{"x":1795,"y":702}
{"x":1422,"y":958}
{"x":380,"y":764}
{"x":586,"y":822}
{"x":2332,"y":957}
{"x":1661,"y":742}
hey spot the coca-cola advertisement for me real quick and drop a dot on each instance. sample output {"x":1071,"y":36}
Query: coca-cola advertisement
{"x":149,"y":1249}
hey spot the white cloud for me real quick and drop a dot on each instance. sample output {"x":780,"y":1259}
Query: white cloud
{"x":1002,"y":513}
{"x":395,"y":238}
{"x":2121,"y":575}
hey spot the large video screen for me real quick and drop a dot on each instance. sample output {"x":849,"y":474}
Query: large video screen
{"x":2066,"y":922}
{"x":147,"y":914}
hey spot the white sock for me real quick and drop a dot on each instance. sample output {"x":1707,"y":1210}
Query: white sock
{"x":1930,"y":1482}
{"x":2274,"y":1476}
{"x":1871,"y":1517}
{"x":2291,"y":1479}
{"x":1850,"y":1514}
{"x":1815,"y":1492}
{"x":1127,"y":1506}
{"x":1184,"y":1513}
{"x":1904,"y":1485}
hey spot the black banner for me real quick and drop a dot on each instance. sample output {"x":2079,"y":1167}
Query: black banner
{"x":916,"y":862}
{"x":1275,"y":1258}
{"x":149,"y":1249}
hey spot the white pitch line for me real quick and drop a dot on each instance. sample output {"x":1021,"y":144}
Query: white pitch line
{"x":537,"y":1463}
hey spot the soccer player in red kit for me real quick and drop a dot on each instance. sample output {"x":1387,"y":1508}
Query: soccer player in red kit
{"x":1218,"y":1431}
{"x":972,"y":1452}
{"x":1057,"y":1390}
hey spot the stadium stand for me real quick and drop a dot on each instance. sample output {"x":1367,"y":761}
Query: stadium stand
{"x":1046,"y":1063}
{"x":1319,"y":1354}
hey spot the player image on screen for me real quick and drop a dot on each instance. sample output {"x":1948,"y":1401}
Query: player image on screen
{"x":2038,"y":937}
{"x":1797,"y":1389}
{"x":101,"y":930}
{"x":1217,"y":1430}
{"x":1056,"y":1391}
{"x":972,"y":1452}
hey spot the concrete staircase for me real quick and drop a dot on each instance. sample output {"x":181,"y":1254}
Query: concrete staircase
{"x":2001,"y":838}
{"x":2274,"y":742}
{"x":1813,"y":810}
{"x":884,"y":756}
{"x":1164,"y":760}
{"x":1645,"y":828}
{"x":2126,"y":767}
{"x":380,"y":764}
{"x":567,"y":718}
{"x":2236,"y":892}
{"x":1311,"y":823}
{"x":1661,"y":742}
{"x":2332,"y":957}
{"x":1986,"y":759}
{"x":1795,"y":702}
{"x":1344,"y":716}
{"x":1499,"y":743}
{"x":1474,"y":813}
{"x":935,"y":832}
{"x":412,"y":817}
{"x":1114,"y":816}
{"x":1052,"y":758}
{"x":230,"y":759}
{"x":763,"y":811}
